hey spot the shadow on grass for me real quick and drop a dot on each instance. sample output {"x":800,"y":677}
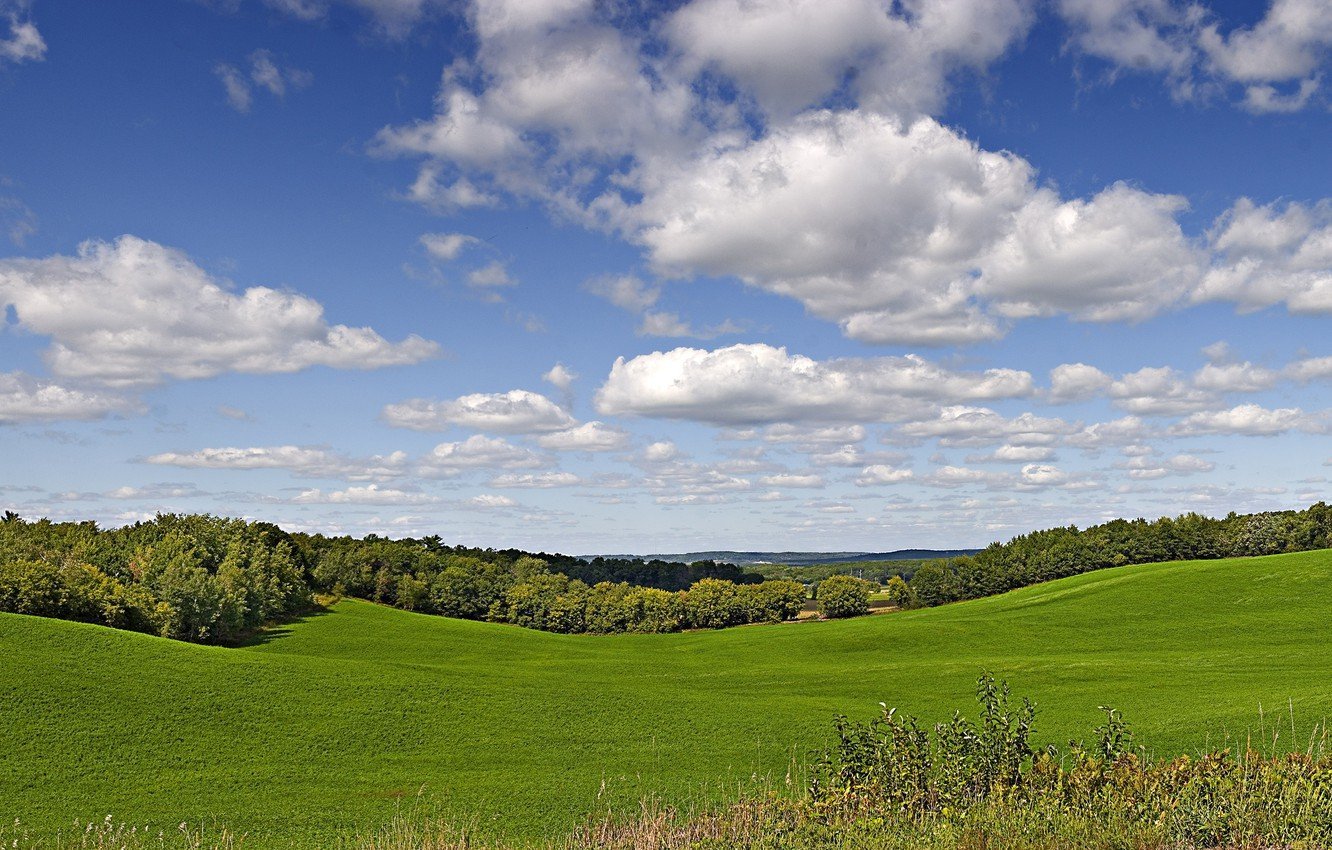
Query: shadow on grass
{"x":281,"y":628}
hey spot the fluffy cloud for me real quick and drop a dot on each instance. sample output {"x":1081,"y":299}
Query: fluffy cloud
{"x":478,"y":452}
{"x":1288,"y":47}
{"x":790,"y":54}
{"x":514,"y":412}
{"x":306,"y":461}
{"x":560,"y":376}
{"x":956,"y":476}
{"x":851,"y":213}
{"x":1076,"y":381}
{"x":446,"y":246}
{"x":1249,"y":419}
{"x":1290,"y":43}
{"x":908,"y":233}
{"x":543,"y":480}
{"x":559,"y":86}
{"x":490,"y":501}
{"x":493,"y":275}
{"x":1272,"y":255}
{"x":873,"y":215}
{"x":1235,"y":378}
{"x":1159,"y":391}
{"x":1143,"y":467}
{"x":1014,"y":454}
{"x":754,"y":384}
{"x":1127,"y":430}
{"x":1143,"y":35}
{"x":1042,"y":475}
{"x":661,"y":452}
{"x":446,"y":460}
{"x":134,"y":312}
{"x":1119,"y":256}
{"x":27,"y":399}
{"x":793,"y":480}
{"x":23,"y":43}
{"x":371,"y":494}
{"x":879,"y":474}
{"x":810,"y":437}
{"x":1164,"y":391}
{"x":588,"y":437}
{"x":961,"y":425}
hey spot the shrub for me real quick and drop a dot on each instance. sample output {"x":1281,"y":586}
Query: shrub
{"x":844,"y":596}
{"x":899,"y":593}
{"x":714,"y":604}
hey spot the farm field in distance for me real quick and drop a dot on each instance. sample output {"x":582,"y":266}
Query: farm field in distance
{"x":331,"y":723}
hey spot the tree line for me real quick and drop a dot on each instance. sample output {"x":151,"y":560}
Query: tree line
{"x":1060,"y":552}
{"x":213,"y":580}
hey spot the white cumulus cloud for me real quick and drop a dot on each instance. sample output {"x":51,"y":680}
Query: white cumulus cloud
{"x":514,"y":412}
{"x":760,"y":384}
{"x":133,"y":312}
{"x":24,"y":398}
{"x":589,"y":437}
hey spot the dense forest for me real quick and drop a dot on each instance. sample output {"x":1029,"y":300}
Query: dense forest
{"x":214,"y":580}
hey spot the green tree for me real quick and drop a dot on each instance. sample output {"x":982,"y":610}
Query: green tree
{"x":713,"y":604}
{"x":934,"y":584}
{"x":900,"y":594}
{"x":844,"y":596}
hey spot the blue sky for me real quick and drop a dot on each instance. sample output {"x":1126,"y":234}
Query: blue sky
{"x":602,"y":277}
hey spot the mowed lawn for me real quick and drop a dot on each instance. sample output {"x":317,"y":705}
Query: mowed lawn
{"x":331,"y":723}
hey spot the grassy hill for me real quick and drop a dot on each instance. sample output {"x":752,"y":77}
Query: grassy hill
{"x":332,"y":722}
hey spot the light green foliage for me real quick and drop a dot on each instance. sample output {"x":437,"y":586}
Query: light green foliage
{"x":195,"y":578}
{"x":899,"y":593}
{"x":844,"y":596}
{"x":714,"y":604}
{"x":771,"y":601}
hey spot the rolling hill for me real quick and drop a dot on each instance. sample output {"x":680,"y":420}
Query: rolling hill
{"x":333,"y":722}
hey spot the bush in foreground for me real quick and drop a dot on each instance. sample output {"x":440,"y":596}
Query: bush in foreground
{"x":891,"y":784}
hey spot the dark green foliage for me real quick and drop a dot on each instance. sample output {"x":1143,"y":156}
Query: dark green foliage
{"x":844,"y":596}
{"x":934,"y":584}
{"x":664,"y":575}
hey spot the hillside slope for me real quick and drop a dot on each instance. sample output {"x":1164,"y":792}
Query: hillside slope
{"x":334,"y":721}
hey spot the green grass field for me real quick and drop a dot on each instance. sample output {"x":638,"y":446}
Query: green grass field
{"x":332,"y":722}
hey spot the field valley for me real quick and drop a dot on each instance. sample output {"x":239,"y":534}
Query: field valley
{"x":334,"y":722}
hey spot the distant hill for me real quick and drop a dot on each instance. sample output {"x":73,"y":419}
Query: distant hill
{"x":801,"y":559}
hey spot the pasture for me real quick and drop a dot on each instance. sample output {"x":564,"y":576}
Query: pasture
{"x":332,"y":723}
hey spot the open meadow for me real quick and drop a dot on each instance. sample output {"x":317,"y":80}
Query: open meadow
{"x":332,"y":723}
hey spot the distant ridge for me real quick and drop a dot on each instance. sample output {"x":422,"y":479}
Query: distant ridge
{"x":799,"y":559}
